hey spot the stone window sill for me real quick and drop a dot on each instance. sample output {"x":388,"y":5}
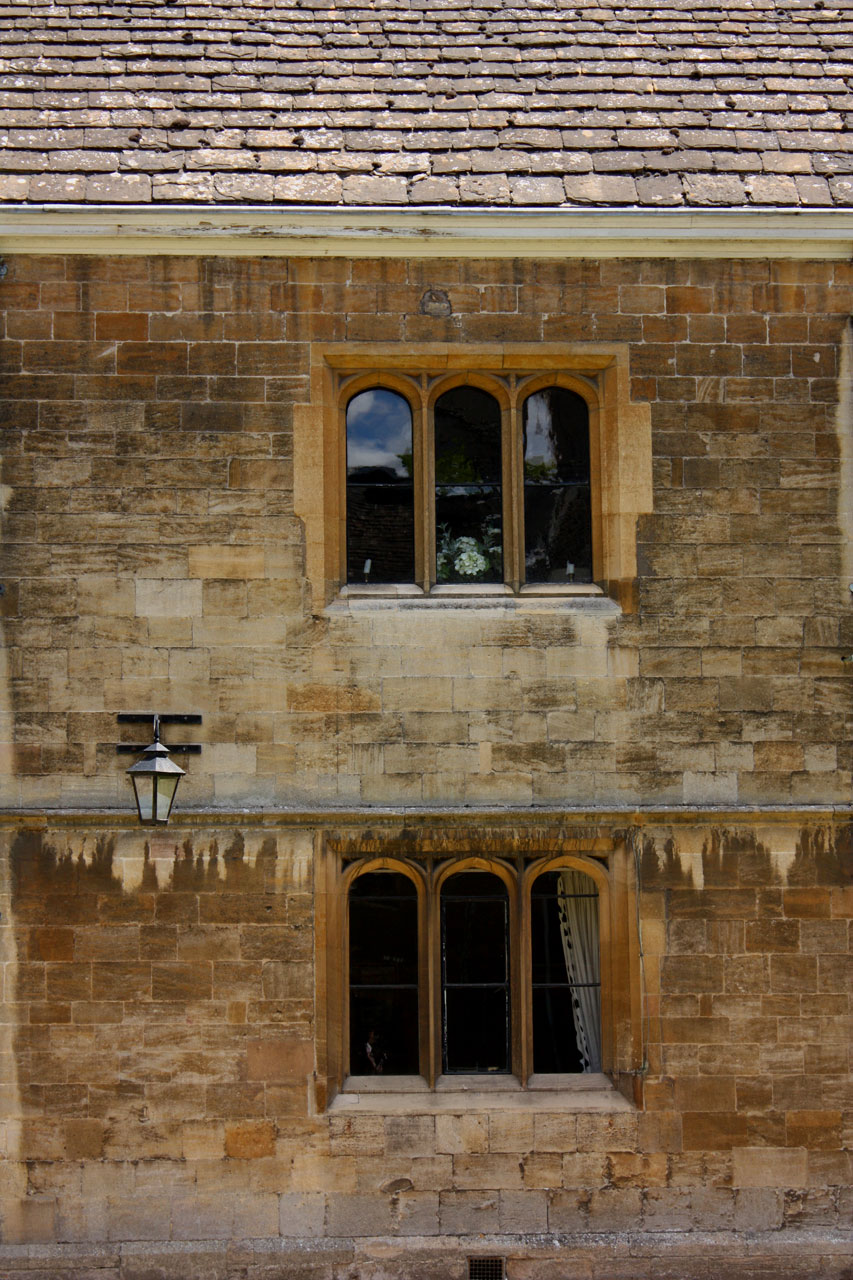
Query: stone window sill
{"x":481,"y":596}
{"x":411,"y":1095}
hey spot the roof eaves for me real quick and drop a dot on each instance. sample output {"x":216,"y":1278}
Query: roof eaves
{"x":427,"y":231}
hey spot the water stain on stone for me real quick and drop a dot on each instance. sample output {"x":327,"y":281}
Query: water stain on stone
{"x":229,"y":872}
{"x":38,"y":868}
{"x":737,"y":858}
{"x":823,"y":857}
{"x":661,"y":867}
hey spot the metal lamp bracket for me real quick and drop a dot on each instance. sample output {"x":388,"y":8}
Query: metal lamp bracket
{"x":150,"y":717}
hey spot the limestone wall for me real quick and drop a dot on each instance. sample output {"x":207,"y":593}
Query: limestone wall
{"x":152,"y":557}
{"x":160,"y":1072}
{"x":165,"y":1010}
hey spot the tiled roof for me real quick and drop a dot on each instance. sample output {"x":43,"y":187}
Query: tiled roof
{"x":428,"y":102}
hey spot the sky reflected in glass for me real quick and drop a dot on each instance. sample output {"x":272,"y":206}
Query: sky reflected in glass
{"x":379,"y":433}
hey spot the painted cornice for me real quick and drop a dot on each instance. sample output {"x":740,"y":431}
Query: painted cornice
{"x":265,"y":231}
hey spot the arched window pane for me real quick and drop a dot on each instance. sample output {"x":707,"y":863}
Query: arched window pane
{"x":383,"y":974}
{"x":566,"y":973}
{"x":468,"y":511}
{"x":557,"y":515}
{"x":380,"y":494}
{"x":475,"y":973}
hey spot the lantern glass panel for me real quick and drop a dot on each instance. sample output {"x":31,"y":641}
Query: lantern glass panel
{"x":144,"y":798}
{"x":166,"y":788}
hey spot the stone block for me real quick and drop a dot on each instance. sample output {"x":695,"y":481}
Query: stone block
{"x":523,"y":1212}
{"x":476,"y":1172}
{"x":280,"y":1059}
{"x":84,"y":1139}
{"x":705,"y":1093}
{"x":628,"y":1169}
{"x":615,"y":1209}
{"x":302,"y":1213}
{"x":510,"y":1131}
{"x":357,"y":1135}
{"x":203,"y":1215}
{"x":409,"y":1135}
{"x":463,"y":1133}
{"x":162,"y":598}
{"x":354,"y":1215}
{"x":768,"y":1167}
{"x":226,"y":561}
{"x":469,"y":1213}
{"x":181,"y":981}
{"x":758,"y":1209}
{"x":314,"y":1172}
{"x":416,"y":1213}
{"x":585,"y":1170}
{"x":250,"y":1140}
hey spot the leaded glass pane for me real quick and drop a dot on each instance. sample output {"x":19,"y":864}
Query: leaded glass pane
{"x":475,"y":974}
{"x":557,"y":513}
{"x":380,"y":492}
{"x":468,"y":504}
{"x":383,"y":965}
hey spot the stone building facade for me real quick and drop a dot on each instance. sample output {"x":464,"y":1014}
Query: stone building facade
{"x":175,"y":1057}
{"x":502,"y":928}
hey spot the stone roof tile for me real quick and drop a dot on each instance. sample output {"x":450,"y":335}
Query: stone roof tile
{"x":544,"y":103}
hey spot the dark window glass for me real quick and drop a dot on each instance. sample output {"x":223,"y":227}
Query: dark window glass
{"x":475,"y":973}
{"x":380,"y":495}
{"x":557,"y":516}
{"x":383,"y":973}
{"x":555,"y":1038}
{"x":468,"y":518}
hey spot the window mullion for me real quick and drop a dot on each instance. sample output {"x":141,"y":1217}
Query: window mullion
{"x":428,"y":1031}
{"x":522,"y":969}
{"x":424,"y":491}
{"x":513,"y":497}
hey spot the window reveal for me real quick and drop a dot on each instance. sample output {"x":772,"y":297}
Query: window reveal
{"x":510,"y":496}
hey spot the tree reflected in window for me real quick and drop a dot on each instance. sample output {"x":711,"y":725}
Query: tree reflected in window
{"x":557,"y":511}
{"x":468,"y":514}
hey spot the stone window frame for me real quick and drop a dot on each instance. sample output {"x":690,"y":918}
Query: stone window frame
{"x":428,"y":862}
{"x":620,"y":451}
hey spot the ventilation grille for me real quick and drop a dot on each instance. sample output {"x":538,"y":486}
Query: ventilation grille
{"x":486,"y":1269}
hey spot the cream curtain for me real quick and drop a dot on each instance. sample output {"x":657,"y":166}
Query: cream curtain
{"x":579,"y":930}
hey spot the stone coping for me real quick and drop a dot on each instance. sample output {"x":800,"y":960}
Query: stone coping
{"x":499,"y":816}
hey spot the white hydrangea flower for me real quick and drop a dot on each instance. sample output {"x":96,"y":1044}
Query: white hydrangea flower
{"x":470,"y":562}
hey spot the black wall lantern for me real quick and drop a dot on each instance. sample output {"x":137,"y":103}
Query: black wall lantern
{"x":155,"y":777}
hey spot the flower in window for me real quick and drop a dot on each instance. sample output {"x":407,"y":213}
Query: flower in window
{"x":466,"y":556}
